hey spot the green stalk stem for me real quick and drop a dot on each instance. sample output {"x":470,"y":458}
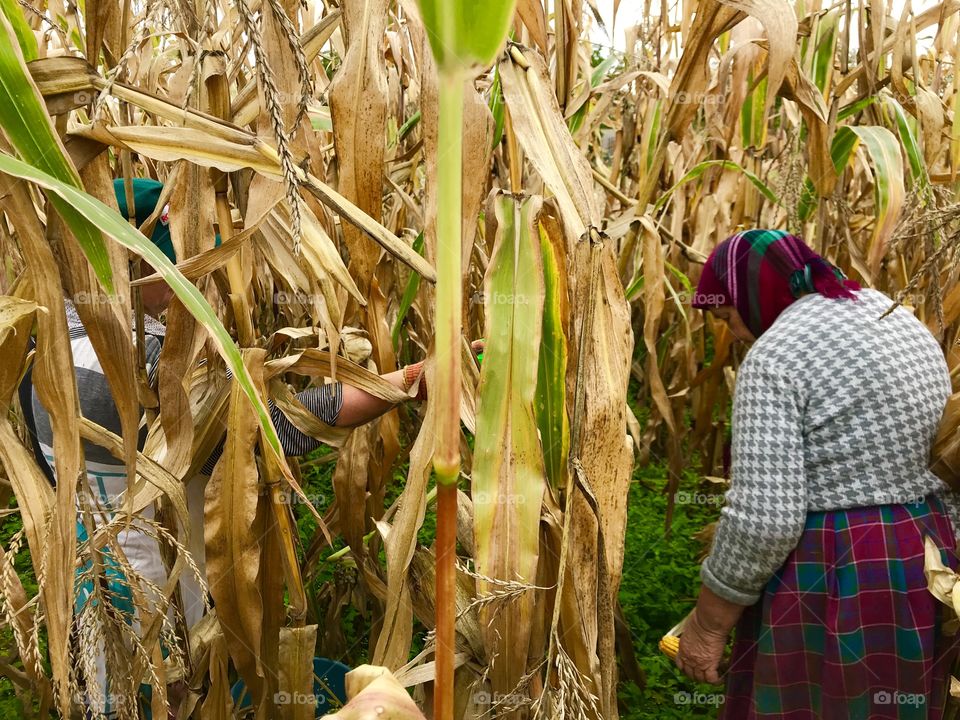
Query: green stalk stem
{"x":446,"y":460}
{"x":449,"y":293}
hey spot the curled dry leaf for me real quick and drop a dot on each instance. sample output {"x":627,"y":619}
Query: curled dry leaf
{"x":940,"y":579}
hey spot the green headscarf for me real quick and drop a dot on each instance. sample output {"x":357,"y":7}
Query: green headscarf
{"x":146,"y":195}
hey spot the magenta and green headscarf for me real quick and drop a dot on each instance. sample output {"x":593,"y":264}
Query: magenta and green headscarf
{"x":761,"y":272}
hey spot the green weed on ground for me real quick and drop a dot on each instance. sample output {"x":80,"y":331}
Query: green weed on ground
{"x":659,"y":587}
{"x":660,"y":582}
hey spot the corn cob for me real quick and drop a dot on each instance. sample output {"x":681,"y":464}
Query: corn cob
{"x":669,"y":645}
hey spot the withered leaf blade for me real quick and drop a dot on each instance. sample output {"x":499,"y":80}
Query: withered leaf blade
{"x":232,"y":547}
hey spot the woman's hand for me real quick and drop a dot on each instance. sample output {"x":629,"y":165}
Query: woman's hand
{"x":705,"y":634}
{"x":701,"y":650}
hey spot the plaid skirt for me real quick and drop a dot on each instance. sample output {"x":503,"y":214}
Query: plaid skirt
{"x":846,"y":629}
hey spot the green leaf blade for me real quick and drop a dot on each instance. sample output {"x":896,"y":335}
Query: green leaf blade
{"x":25,"y":121}
{"x":110,"y":222}
{"x":465,"y":34}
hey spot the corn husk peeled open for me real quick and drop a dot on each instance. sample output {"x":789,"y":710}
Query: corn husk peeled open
{"x":670,"y":643}
{"x":375,"y":694}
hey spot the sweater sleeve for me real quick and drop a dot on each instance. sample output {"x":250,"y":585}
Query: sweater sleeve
{"x":766,"y":507}
{"x":949,"y":496}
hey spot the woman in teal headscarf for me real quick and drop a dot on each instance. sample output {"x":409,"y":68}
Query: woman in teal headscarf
{"x":334,"y":403}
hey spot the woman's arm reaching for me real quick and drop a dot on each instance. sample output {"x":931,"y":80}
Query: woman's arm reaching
{"x":336,"y":404}
{"x":339,"y":405}
{"x":361,"y":407}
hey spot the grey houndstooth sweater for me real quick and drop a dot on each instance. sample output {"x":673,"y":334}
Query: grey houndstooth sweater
{"x":833,"y":408}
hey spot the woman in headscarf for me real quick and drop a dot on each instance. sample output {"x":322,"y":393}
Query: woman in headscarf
{"x":819,"y":552}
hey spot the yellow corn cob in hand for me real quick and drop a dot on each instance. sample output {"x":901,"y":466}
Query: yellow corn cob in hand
{"x":670,"y":643}
{"x":670,"y":646}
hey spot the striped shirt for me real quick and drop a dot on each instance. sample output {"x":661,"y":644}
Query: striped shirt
{"x":107,"y":478}
{"x":97,"y":405}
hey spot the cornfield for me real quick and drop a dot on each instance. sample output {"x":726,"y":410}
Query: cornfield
{"x":311,"y":137}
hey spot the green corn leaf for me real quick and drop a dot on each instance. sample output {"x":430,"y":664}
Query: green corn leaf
{"x":508,"y":478}
{"x":687,"y":288}
{"x":746,"y":116}
{"x":854,"y":108}
{"x":918,"y":168}
{"x":551,"y":393}
{"x":822,"y":70}
{"x":25,"y":122}
{"x":497,"y":107}
{"x":409,"y":125}
{"x":409,"y":293}
{"x":753,"y":116}
{"x":684,"y":280}
{"x":883,"y":150}
{"x":677,"y":300}
{"x":841,"y":148}
{"x":320,"y":119}
{"x":808,"y":200}
{"x":634,"y":288}
{"x":601,"y":70}
{"x":111,"y":223}
{"x":25,"y":36}
{"x":576,"y":120}
{"x":465,"y":34}
{"x":654,"y":133}
{"x":702,"y":167}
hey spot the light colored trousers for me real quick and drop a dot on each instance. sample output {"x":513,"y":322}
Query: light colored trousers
{"x":143,"y":554}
